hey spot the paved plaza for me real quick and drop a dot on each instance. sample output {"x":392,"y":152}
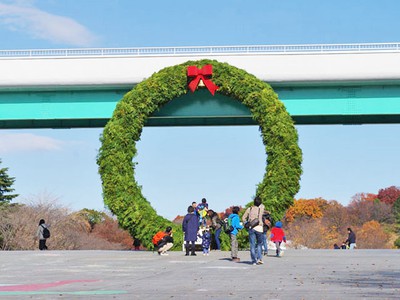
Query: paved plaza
{"x":299,"y":274}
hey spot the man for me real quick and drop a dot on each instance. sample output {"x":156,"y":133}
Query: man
{"x":252,"y":218}
{"x":351,"y":240}
{"x":163,"y":241}
{"x":235,"y":223}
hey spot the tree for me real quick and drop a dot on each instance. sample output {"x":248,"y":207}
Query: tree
{"x":336,"y":217}
{"x":372,"y":236}
{"x":365,"y":209}
{"x":5,"y":186}
{"x":389,"y":195}
{"x":306,"y":209}
{"x":396,"y":210}
{"x":92,"y":216}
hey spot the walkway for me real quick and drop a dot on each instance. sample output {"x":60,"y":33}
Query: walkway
{"x":299,"y":274}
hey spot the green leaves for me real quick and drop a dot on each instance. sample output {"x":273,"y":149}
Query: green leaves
{"x":121,"y":192}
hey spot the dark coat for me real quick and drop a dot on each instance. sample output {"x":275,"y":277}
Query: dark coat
{"x":190,"y":226}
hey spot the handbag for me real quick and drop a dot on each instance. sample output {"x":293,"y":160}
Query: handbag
{"x":254,"y":223}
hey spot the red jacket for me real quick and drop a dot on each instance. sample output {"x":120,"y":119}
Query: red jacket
{"x":277,"y":235}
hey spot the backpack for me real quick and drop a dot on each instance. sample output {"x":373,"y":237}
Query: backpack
{"x":227,"y":225}
{"x":158,"y":237}
{"x":46,"y":232}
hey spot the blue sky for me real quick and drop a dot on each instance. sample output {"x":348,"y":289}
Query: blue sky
{"x":181,"y":165}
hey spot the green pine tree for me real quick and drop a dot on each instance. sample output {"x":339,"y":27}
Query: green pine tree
{"x":396,"y":210}
{"x":5,"y":186}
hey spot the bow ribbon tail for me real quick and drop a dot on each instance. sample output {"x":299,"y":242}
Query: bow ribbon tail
{"x":210,"y":86}
{"x":194,"y":83}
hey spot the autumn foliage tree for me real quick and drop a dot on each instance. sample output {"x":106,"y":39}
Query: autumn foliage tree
{"x":363,"y":209}
{"x":306,"y":209}
{"x":371,"y":235}
{"x":389,"y":195}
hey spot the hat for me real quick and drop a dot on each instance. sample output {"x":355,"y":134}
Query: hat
{"x":278,"y":224}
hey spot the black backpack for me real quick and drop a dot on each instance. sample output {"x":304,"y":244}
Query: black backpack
{"x":46,"y":232}
{"x":227,"y":225}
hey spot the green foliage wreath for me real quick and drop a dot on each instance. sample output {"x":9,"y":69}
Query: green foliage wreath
{"x":122,"y":194}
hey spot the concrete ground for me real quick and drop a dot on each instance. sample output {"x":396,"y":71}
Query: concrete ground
{"x":299,"y":274}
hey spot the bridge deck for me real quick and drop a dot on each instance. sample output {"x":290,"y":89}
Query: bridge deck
{"x":319,"y":84}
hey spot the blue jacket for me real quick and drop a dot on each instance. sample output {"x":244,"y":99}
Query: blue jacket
{"x":206,"y":239}
{"x":235,"y":222}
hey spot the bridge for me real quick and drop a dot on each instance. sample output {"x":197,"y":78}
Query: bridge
{"x":319,"y":84}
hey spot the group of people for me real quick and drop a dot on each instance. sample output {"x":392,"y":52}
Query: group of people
{"x":350,"y":243}
{"x":256,"y":220}
{"x":194,"y":225}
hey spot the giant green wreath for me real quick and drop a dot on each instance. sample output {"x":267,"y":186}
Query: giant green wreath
{"x":121,"y":192}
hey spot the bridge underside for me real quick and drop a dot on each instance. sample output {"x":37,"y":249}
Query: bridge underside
{"x":92,"y":107}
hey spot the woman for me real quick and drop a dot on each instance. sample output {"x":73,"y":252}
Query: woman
{"x":252,"y":214}
{"x":40,"y":235}
{"x":216,"y":225}
{"x":190,"y":227}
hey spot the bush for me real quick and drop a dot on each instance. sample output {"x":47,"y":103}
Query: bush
{"x":397,"y":243}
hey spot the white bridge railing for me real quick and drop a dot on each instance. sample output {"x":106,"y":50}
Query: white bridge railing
{"x":204,"y":50}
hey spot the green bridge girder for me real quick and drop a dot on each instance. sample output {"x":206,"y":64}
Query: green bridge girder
{"x":92,"y":107}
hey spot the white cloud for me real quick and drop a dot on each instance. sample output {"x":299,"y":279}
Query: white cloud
{"x":27,"y":142}
{"x":22,"y":16}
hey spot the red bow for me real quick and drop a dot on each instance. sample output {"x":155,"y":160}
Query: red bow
{"x":203,"y":74}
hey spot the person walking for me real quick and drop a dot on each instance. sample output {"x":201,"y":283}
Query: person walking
{"x":351,"y":240}
{"x":234,"y":220}
{"x":42,"y":234}
{"x":253,"y":222}
{"x":190,"y":227}
{"x":216,"y":225}
{"x":277,"y":236}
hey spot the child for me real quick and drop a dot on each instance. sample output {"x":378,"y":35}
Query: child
{"x":206,"y":241}
{"x":277,"y":236}
{"x":202,"y":209}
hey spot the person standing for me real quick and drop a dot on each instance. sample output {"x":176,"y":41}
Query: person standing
{"x":253,"y":218}
{"x":205,"y":240}
{"x":190,"y":227}
{"x":277,"y":236}
{"x":216,"y":225}
{"x":40,"y":233}
{"x":235,"y":223}
{"x":351,"y":240}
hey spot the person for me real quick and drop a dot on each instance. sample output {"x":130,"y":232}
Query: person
{"x":216,"y":226}
{"x":235,"y":223}
{"x":39,"y":234}
{"x":202,"y":209}
{"x":190,"y":227}
{"x":267,"y":223}
{"x":277,"y":236}
{"x":351,"y":240}
{"x":343,"y":246}
{"x":136,"y":244}
{"x":163,"y":241}
{"x":254,"y":214}
{"x":336,"y":246}
{"x":205,"y":240}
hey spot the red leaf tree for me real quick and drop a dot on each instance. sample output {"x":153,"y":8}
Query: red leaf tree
{"x":389,"y":195}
